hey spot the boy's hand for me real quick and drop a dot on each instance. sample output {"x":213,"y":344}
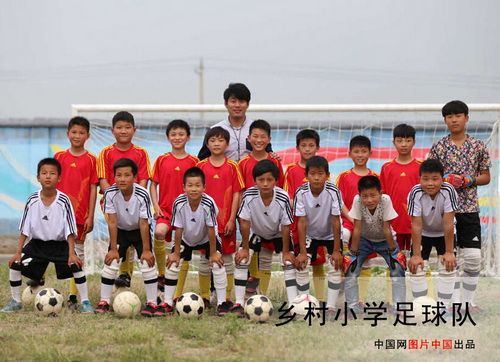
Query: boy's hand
{"x":89,"y":225}
{"x":288,"y":259}
{"x":110,"y":256}
{"x":148,"y":257}
{"x":456,"y":181}
{"x":173,"y":259}
{"x":229,"y":228}
{"x":16,"y":258}
{"x":74,"y":259}
{"x":301,"y":261}
{"x":414,"y":262}
{"x":336,"y":259}
{"x":449,"y":260}
{"x":242,"y":256}
{"x":275,"y":156}
{"x":216,"y":258}
{"x":158,"y":213}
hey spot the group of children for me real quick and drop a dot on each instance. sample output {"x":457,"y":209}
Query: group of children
{"x":300,"y":215}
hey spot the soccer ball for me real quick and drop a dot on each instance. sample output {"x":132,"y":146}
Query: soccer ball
{"x":29,"y":294}
{"x":116,"y":292}
{"x":190,"y":305}
{"x":258,"y":309}
{"x":127,"y":305}
{"x":303,"y":301}
{"x":420,"y":305}
{"x":49,"y":302}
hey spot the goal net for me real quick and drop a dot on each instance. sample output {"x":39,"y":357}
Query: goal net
{"x":336,"y":124}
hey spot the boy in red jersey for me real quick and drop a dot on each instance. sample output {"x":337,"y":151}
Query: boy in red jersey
{"x":295,"y":176}
{"x":224,"y":184}
{"x":79,"y":182}
{"x":123,"y":128}
{"x":166,"y":185}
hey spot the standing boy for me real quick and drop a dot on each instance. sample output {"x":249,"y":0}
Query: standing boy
{"x":466,"y":163}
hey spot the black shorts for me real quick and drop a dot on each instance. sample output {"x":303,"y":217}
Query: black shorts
{"x":187,"y":250}
{"x":37,"y":255}
{"x":256,"y":243}
{"x":468,"y":230}
{"x":312,"y":246}
{"x":429,"y":242}
{"x":127,"y":238}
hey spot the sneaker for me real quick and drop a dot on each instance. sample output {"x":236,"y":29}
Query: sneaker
{"x":477,"y":309}
{"x":149,"y":310}
{"x":222,"y":309}
{"x":161,"y":283}
{"x":229,"y":303}
{"x":162,"y":310}
{"x":330,"y":315}
{"x":86,"y":307}
{"x":12,"y":306}
{"x":237,"y":309}
{"x":252,"y":284}
{"x":35,"y":283}
{"x":102,"y":307}
{"x":206,"y":302}
{"x":123,"y":280}
{"x":73,"y":302}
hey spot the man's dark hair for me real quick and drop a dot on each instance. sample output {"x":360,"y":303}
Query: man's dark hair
{"x":237,"y":90}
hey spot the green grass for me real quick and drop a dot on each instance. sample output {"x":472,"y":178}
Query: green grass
{"x":72,"y":336}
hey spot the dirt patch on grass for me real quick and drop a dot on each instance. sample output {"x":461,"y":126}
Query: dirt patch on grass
{"x":8,"y":244}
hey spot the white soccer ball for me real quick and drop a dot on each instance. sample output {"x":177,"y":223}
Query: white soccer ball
{"x":420,"y":305}
{"x":303,"y":301}
{"x":258,"y":309}
{"x":127,"y":305}
{"x":190,"y":305}
{"x":49,"y":302}
{"x":115,"y":293}
{"x":29,"y":295}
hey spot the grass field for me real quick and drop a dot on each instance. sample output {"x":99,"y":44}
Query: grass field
{"x":72,"y":336}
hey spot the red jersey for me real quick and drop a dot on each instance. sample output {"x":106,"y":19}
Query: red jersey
{"x":295,"y":176}
{"x":78,"y":173}
{"x":109,"y":155}
{"x":247,"y":164}
{"x":221,"y":183}
{"x":347,"y":182}
{"x":397,"y":181}
{"x":168,"y":172}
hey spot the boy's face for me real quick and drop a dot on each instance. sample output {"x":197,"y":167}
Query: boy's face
{"x":456,"y":122}
{"x":194,"y":188}
{"x":317,"y":177}
{"x":77,"y":135}
{"x":404,"y":145}
{"x":178,"y":138}
{"x":48,"y":176}
{"x":123,"y":132}
{"x":217,"y":145}
{"x":370,"y":198}
{"x":236,"y":108}
{"x":431,"y":182}
{"x":125,"y":178}
{"x":265,"y":183}
{"x":360,"y":155}
{"x":307,"y":148}
{"x":259,"y":139}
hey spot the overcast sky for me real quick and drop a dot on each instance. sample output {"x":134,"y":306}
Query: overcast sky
{"x":56,"y":53}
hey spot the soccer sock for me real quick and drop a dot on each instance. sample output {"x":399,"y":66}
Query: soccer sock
{"x":80,"y":252}
{"x":171,"y":277}
{"x":229,"y":265}
{"x":290,"y":282}
{"x":253,"y":268}
{"x":204,"y":281}
{"x":456,"y":289}
{"x":15,"y":284}
{"x":124,"y":267}
{"x":388,"y":286}
{"x":302,"y":281}
{"x":334,"y":285}
{"x":430,"y":284}
{"x":419,"y":281}
{"x":181,"y":279}
{"x":265,"y":279}
{"x":150,"y":276}
{"x":240,"y":282}
{"x":220,"y":282}
{"x":230,"y":285}
{"x":131,"y":262}
{"x":319,"y":281}
{"x":160,"y":250}
{"x":81,"y":284}
{"x":73,"y":290}
{"x":469,"y":284}
{"x":446,"y":284}
{"x":108,"y":276}
{"x":363,"y":280}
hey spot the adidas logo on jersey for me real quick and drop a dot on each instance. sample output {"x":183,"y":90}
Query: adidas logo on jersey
{"x":73,"y":164}
{"x":177,"y":168}
{"x":265,"y":213}
{"x":317,"y":205}
{"x":402,"y":174}
{"x":193,"y":220}
{"x":45,"y":218}
{"x":216,"y":176}
{"x":475,"y":238}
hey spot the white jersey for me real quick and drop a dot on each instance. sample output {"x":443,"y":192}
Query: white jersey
{"x":194,"y":223}
{"x":318,"y":210}
{"x":432,"y":211}
{"x":265,"y":220}
{"x":53,"y":222}
{"x":128,"y":213}
{"x":372,"y":225}
{"x":237,"y":148}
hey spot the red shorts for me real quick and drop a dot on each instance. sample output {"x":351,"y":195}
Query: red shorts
{"x":80,"y":234}
{"x":228,"y":243}
{"x":164,"y":220}
{"x":320,"y":255}
{"x":404,"y":241}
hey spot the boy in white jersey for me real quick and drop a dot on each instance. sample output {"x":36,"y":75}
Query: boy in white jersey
{"x":194,"y":217}
{"x":128,"y":206}
{"x":265,"y":212}
{"x":318,"y":205}
{"x":49,"y":221}
{"x":432,"y":205}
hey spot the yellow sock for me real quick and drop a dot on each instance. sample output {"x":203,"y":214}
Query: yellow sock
{"x":124,"y":266}
{"x":388,"y":286}
{"x":319,"y":281}
{"x":73,"y":290}
{"x":253,"y":268}
{"x":265,"y":279}
{"x":160,"y":250}
{"x":182,"y":279}
{"x":230,"y":285}
{"x":430,"y":285}
{"x":204,"y":281}
{"x":363,"y":281}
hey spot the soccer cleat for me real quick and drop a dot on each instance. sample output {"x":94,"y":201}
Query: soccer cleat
{"x":86,"y":307}
{"x":102,"y":307}
{"x":206,"y":302}
{"x":252,"y":284}
{"x":123,"y":280}
{"x":73,"y":302}
{"x":149,"y":310}
{"x":238,"y":309}
{"x":162,"y":310}
{"x":222,"y":309}
{"x":229,"y":303}
{"x":161,"y":282}
{"x":35,"y":283}
{"x":12,"y":306}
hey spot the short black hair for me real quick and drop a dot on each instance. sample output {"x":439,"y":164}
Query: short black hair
{"x":237,"y":90}
{"x":360,"y":141}
{"x":217,"y":132}
{"x":265,"y":166}
{"x":431,"y":165}
{"x":194,"y":172}
{"x":403,"y":131}
{"x":49,"y":161}
{"x":260,"y":124}
{"x":307,"y":134}
{"x":178,"y":123}
{"x":317,"y":162}
{"x":126,"y":162}
{"x":123,"y":116}
{"x":455,"y":107}
{"x":79,"y":121}
{"x":369,"y":182}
